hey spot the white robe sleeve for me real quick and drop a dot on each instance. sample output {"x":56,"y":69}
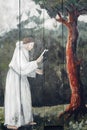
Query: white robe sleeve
{"x":20,"y":64}
{"x":32,"y":74}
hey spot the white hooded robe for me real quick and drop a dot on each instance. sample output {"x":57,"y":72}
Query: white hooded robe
{"x":18,"y":105}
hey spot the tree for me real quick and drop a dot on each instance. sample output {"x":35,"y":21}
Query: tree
{"x":77,"y":104}
{"x":74,"y":8}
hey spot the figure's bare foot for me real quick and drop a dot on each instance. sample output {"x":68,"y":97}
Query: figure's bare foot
{"x":12,"y":127}
{"x":32,"y":123}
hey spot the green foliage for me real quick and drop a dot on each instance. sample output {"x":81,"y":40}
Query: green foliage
{"x":73,"y":1}
{"x":49,"y":116}
{"x":37,"y":1}
{"x":54,"y":3}
{"x":55,"y":6}
{"x":56,"y":81}
{"x":1,"y":115}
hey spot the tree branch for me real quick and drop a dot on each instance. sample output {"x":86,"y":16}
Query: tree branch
{"x":82,"y":11}
{"x":72,"y":6}
{"x":69,"y":15}
{"x":67,"y":9}
{"x":61,"y":20}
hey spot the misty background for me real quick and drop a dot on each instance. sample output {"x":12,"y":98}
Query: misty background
{"x":26,"y":19}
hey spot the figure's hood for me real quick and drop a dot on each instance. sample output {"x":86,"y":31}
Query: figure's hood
{"x":19,"y":43}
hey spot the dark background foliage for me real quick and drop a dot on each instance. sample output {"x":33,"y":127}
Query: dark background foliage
{"x":52,"y":88}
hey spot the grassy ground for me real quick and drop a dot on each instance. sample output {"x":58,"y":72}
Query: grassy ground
{"x":1,"y":115}
{"x":49,"y":116}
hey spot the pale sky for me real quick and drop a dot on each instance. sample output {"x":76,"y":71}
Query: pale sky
{"x":83,"y":18}
{"x":9,"y":10}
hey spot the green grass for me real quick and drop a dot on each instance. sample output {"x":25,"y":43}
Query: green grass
{"x":49,"y":116}
{"x":1,"y":115}
{"x":41,"y":113}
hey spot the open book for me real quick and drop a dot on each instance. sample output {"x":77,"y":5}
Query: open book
{"x":44,"y":52}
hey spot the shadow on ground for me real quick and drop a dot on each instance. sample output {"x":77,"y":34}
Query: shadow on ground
{"x":21,"y":128}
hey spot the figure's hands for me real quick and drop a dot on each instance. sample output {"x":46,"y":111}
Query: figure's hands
{"x":39,"y":59}
{"x":39,"y":71}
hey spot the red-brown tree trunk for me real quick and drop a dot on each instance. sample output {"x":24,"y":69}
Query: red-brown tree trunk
{"x":77,"y":104}
{"x":73,"y":69}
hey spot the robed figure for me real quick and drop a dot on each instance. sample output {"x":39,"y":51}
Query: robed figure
{"x":18,"y":104}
